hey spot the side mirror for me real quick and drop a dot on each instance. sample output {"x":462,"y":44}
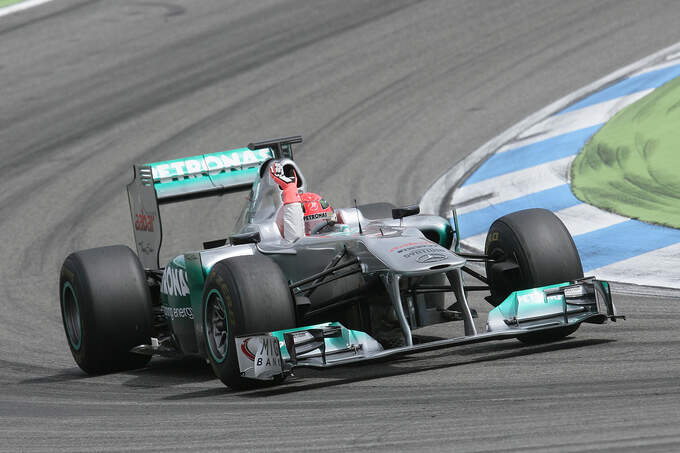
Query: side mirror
{"x":214,"y":244}
{"x":251,"y":237}
{"x":405,"y":211}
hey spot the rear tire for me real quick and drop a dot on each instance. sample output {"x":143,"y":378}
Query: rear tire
{"x":532,"y":248}
{"x":243,"y":295}
{"x":106,"y":308}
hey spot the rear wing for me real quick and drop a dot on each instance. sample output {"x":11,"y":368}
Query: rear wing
{"x":192,"y":177}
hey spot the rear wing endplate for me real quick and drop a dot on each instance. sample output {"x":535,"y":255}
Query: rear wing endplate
{"x":192,"y":177}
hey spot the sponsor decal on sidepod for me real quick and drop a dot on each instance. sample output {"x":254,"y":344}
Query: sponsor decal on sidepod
{"x":178,"y":313}
{"x":175,"y":282}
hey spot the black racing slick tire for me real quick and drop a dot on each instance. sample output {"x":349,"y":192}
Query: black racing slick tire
{"x":106,"y":308}
{"x":243,"y":295}
{"x":530,"y":248}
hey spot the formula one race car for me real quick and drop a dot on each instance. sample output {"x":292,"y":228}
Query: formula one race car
{"x":256,"y":305}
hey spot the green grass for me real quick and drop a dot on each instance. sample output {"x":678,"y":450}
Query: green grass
{"x":4,"y":3}
{"x":631,"y":166}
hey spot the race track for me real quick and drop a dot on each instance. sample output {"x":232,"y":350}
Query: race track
{"x":388,"y":95}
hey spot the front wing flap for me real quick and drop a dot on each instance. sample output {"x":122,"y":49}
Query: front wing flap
{"x":331,"y":344}
{"x":563,"y":304}
{"x":317,"y":345}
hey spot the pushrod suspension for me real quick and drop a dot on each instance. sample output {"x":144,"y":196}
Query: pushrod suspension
{"x":328,"y":280}
{"x":476,"y":275}
{"x":323,"y":273}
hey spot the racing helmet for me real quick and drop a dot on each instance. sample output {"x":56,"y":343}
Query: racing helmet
{"x":316,"y":210}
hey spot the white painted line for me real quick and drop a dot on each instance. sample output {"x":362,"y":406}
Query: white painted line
{"x":572,"y":121}
{"x":512,"y":185}
{"x":584,"y":218}
{"x":646,"y":269}
{"x":667,"y":64}
{"x":580,"y":119}
{"x":433,"y":200}
{"x":21,"y":6}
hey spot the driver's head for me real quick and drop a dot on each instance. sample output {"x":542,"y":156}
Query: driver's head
{"x":316,"y":210}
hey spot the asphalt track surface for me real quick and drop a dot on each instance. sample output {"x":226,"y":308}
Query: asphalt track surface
{"x":388,"y":94}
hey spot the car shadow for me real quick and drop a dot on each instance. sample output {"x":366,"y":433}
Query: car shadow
{"x":67,"y":375}
{"x":170,"y":372}
{"x":385,"y":368}
{"x":160,"y":372}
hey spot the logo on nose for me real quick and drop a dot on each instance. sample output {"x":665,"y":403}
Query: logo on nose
{"x":431,"y":258}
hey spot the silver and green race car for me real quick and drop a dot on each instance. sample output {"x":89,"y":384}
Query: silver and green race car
{"x":256,"y":305}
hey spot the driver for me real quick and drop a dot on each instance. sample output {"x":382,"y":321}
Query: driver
{"x":303,"y":213}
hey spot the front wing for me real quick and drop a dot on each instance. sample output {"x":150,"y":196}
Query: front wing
{"x":264,"y":356}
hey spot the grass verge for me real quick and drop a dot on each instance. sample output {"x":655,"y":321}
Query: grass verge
{"x":4,"y":3}
{"x":631,"y":166}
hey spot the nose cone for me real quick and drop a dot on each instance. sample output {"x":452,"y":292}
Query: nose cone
{"x":412,"y":256}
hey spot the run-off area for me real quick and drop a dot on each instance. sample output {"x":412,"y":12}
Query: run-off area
{"x":535,"y":171}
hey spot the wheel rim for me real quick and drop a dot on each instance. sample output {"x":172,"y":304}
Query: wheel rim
{"x":71,"y":311}
{"x":216,"y":326}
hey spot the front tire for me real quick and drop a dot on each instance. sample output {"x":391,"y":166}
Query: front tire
{"x":106,"y":308}
{"x":531,"y":248}
{"x":243,"y":295}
